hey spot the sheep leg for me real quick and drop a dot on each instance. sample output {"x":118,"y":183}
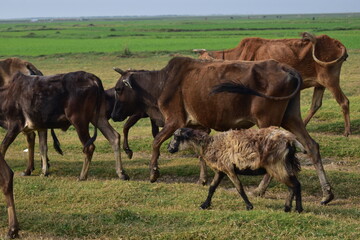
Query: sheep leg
{"x":289,"y":199}
{"x":239,"y":187}
{"x":297,"y":191}
{"x":214,"y":184}
{"x":294,"y":191}
{"x":203,"y":172}
{"x":260,"y":190}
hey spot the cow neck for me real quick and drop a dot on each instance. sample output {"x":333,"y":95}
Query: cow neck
{"x":150,"y":85}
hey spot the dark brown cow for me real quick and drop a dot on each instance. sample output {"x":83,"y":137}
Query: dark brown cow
{"x":110,"y":99}
{"x":40,"y":102}
{"x":180,"y":95}
{"x":318,"y":59}
{"x":8,"y":68}
{"x":30,"y":103}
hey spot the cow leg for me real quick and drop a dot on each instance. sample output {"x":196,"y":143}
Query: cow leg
{"x":10,"y":136}
{"x":82,"y":129}
{"x":239,"y":187}
{"x":162,"y":136}
{"x":295,"y":125}
{"x":261,"y":189}
{"x":316,"y":103}
{"x":214,"y":184}
{"x":30,"y":138}
{"x":114,"y":139}
{"x":6,"y":182}
{"x":154,"y":128}
{"x":43,"y":152}
{"x":129,"y":123}
{"x":343,"y":101}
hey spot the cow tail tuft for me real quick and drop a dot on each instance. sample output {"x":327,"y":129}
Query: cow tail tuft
{"x":56,"y":142}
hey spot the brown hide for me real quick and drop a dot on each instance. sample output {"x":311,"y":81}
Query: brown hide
{"x":10,"y":66}
{"x":181,"y":93}
{"x":318,"y":59}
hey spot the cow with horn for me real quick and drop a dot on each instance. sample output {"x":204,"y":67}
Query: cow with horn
{"x":318,"y":59}
{"x":263,"y":93}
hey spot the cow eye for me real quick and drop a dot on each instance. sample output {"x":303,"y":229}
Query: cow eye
{"x":118,"y":89}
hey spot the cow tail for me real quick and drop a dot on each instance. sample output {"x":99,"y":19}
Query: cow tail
{"x":56,"y":142}
{"x":99,"y":100}
{"x":239,"y":88}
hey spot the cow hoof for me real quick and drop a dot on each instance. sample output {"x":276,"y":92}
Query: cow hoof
{"x":299,"y":210}
{"x":204,"y":206}
{"x":129,"y":153}
{"x":13,"y":233}
{"x":327,"y":198}
{"x":26,"y":173}
{"x":154,"y":174}
{"x":82,"y":179}
{"x":257,"y":193}
{"x":124,"y":176}
{"x":287,"y":209}
{"x":202,"y":182}
{"x":249,"y":207}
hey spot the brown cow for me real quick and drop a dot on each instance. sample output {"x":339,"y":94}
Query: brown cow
{"x":318,"y":59}
{"x":180,"y":95}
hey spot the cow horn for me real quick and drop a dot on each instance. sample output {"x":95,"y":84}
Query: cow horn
{"x":199,"y":50}
{"x":324,"y":64}
{"x":118,"y":70}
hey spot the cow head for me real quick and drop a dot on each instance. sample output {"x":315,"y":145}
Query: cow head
{"x":126,"y":99}
{"x":203,"y":54}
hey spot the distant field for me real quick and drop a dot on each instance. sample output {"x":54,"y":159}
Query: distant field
{"x":170,"y":35}
{"x":59,"y":207}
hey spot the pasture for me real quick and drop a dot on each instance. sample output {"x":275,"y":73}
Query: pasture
{"x":103,"y":207}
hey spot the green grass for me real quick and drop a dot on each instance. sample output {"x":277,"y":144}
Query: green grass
{"x":60,"y":207}
{"x":164,"y":35}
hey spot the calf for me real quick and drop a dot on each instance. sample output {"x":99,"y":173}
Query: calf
{"x":8,"y":68}
{"x":40,"y":102}
{"x":267,"y":150}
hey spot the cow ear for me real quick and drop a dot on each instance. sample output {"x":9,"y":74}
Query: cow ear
{"x":127,"y":81}
{"x":118,"y":70}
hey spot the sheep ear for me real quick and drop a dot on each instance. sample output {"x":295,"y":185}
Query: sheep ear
{"x":177,"y":132}
{"x":187,"y":132}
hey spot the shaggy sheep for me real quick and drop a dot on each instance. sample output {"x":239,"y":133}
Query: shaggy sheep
{"x":247,"y":152}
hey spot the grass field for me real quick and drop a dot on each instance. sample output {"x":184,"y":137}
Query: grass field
{"x":60,"y":207}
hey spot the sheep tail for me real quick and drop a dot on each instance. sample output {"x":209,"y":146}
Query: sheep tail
{"x":292,"y":162}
